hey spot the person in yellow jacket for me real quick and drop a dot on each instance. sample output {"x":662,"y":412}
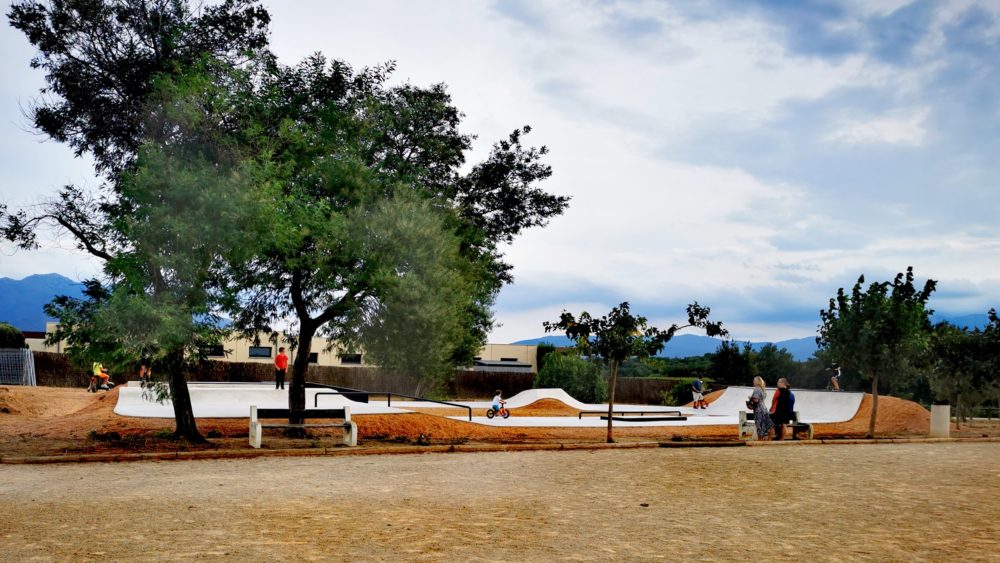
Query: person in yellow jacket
{"x":99,"y":379}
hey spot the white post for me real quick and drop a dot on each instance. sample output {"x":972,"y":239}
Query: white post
{"x":940,"y":421}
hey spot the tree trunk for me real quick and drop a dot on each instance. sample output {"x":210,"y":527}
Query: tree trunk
{"x":181,"y":398}
{"x":297,"y":390}
{"x":611,"y":398}
{"x":871,"y":422}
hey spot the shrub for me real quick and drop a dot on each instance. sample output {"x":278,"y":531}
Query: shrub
{"x":10,"y":337}
{"x":580,"y":378}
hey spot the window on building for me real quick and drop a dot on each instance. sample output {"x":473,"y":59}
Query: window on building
{"x":478,"y":358}
{"x":260,"y":351}
{"x":313,"y":357}
{"x":508,"y":359}
{"x":352,"y":359}
{"x":214,"y":351}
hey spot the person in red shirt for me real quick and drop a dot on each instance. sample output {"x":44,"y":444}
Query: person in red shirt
{"x":280,"y":367}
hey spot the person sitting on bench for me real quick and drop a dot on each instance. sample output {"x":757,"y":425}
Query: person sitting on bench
{"x":782,"y":406}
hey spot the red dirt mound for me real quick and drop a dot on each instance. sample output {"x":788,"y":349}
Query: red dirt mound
{"x":896,"y":417}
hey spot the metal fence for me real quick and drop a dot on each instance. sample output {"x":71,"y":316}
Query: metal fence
{"x":17,"y":367}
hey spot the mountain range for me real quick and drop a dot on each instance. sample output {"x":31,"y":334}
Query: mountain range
{"x":685,"y":345}
{"x":21,"y":303}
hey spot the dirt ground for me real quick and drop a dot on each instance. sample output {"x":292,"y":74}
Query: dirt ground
{"x":38,"y":421}
{"x":887,"y":502}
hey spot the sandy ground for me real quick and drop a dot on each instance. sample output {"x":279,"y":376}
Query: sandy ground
{"x":898,"y":502}
{"x":53,"y":420}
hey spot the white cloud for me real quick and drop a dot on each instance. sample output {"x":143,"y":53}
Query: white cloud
{"x":901,"y":127}
{"x":645,"y":225}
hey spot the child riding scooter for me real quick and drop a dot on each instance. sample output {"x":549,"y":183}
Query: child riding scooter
{"x":100,"y":378}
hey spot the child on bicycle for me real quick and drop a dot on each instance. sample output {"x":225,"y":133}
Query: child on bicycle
{"x":497,"y":401}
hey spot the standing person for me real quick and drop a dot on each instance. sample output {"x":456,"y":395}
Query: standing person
{"x":697,"y":394}
{"x":781,"y":407}
{"x":761,"y":417}
{"x":280,"y":367}
{"x":835,"y":379}
{"x":145,"y":369}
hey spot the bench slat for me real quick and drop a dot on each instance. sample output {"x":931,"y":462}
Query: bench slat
{"x":306,"y":414}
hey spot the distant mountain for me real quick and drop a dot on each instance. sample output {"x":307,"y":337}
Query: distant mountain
{"x":965,"y":321}
{"x":21,"y":301}
{"x":685,"y":345}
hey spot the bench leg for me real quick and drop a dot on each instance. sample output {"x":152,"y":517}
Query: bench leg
{"x":351,"y":434}
{"x":255,"y":432}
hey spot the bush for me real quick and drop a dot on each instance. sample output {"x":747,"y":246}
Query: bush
{"x":580,"y":378}
{"x":680,"y":392}
{"x":10,"y":337}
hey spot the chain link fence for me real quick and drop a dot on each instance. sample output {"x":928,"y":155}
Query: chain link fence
{"x":17,"y":367}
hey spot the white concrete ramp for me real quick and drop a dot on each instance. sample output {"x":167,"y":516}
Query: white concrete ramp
{"x":813,"y":406}
{"x":232,"y":400}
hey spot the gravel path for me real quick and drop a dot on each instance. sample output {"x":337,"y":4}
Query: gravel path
{"x":896,"y":502}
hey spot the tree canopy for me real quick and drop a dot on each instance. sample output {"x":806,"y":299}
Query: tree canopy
{"x":880,"y":331}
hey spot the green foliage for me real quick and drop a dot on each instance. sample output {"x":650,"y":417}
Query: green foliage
{"x":581,"y":378}
{"x":541,"y":352}
{"x":773,"y":363}
{"x":10,"y":337}
{"x":415,"y":326}
{"x":881,"y":331}
{"x":733,"y":364}
{"x":964,"y":366}
{"x":101,"y":58}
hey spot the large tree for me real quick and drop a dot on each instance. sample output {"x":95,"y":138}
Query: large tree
{"x":346,"y":141}
{"x":880,"y":331}
{"x":103,"y":60}
{"x":620,"y":335}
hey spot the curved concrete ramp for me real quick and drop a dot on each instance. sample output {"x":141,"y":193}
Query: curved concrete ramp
{"x":210,"y":400}
{"x":813,"y":406}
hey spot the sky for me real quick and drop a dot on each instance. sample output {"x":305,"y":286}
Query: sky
{"x":753,"y":156}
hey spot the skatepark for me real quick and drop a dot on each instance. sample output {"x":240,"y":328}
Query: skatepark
{"x":233,"y":400}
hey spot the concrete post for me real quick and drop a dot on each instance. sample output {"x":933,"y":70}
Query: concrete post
{"x":940,"y":421}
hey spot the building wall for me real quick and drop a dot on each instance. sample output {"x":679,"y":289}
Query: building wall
{"x":525,"y":353}
{"x":238,"y":350}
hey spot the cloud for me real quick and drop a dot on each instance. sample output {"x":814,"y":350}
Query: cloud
{"x":902,"y":128}
{"x":751,"y":155}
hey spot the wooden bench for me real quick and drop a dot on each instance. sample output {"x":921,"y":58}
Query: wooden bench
{"x":748,"y":427}
{"x":258,"y":414}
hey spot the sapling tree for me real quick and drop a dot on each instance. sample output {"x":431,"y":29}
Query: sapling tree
{"x":881,"y":331}
{"x":620,"y":335}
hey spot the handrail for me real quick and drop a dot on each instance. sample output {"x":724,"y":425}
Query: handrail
{"x":613,"y":413}
{"x":388,"y":401}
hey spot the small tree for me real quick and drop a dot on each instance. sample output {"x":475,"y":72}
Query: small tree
{"x":880,"y":331}
{"x":581,"y":378}
{"x":10,"y":337}
{"x":621,"y":335}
